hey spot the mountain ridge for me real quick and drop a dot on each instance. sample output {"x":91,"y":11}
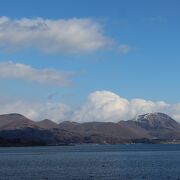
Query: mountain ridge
{"x":16,"y":129}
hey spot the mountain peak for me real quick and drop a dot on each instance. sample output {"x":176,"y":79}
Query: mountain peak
{"x":156,"y":120}
{"x":47,"y":124}
{"x":13,"y":115}
{"x":47,"y":121}
{"x":14,"y":121}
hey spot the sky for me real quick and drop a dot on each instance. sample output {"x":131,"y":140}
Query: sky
{"x":89,"y":60}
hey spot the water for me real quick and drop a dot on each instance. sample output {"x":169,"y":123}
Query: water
{"x":90,"y":162}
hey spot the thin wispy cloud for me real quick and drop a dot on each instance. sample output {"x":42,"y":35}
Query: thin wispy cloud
{"x":124,"y":48}
{"x":52,"y":36}
{"x":158,"y":19}
{"x":52,"y":95}
{"x":10,"y":70}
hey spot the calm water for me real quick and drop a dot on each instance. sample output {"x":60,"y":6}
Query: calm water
{"x":114,"y":162}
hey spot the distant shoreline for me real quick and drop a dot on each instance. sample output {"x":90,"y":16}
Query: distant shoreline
{"x":60,"y":145}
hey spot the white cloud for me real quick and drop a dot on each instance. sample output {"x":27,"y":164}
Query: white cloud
{"x":10,"y":70}
{"x":108,"y":106}
{"x":37,"y":111}
{"x":175,"y":111}
{"x":102,"y":106}
{"x":56,"y":36}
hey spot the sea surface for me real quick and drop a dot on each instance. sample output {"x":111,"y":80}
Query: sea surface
{"x":90,"y":162}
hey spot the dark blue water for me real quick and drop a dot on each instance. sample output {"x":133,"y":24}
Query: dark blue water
{"x":101,"y":162}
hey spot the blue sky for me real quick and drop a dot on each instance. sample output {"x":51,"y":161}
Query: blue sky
{"x":141,"y":62}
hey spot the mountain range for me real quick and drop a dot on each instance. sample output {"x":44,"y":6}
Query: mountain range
{"x":18,"y":130}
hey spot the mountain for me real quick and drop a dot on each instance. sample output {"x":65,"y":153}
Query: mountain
{"x":149,"y":127}
{"x":15,"y":121}
{"x":159,"y":125}
{"x":157,"y":121}
{"x":18,"y":130}
{"x":117,"y":131}
{"x":47,"y":124}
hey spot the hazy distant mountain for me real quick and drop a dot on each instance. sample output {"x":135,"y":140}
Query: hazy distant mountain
{"x":16,"y":129}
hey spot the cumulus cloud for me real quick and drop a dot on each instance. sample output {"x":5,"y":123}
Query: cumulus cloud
{"x":101,"y":106}
{"x":108,"y":106}
{"x":55,"y":36}
{"x":37,"y":111}
{"x":10,"y":70}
